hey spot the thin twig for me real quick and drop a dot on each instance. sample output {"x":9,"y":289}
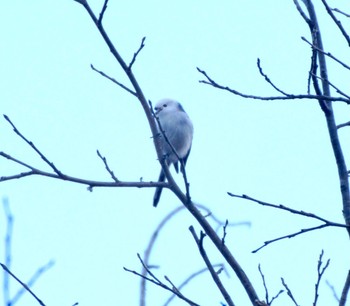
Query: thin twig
{"x":107,"y":167}
{"x":302,"y":231}
{"x":22,"y":284}
{"x":267,"y":79}
{"x":301,"y":12}
{"x":224,"y":232}
{"x":211,"y":82}
{"x":268,"y":302}
{"x":114,"y":81}
{"x":187,"y":280}
{"x":90,"y":183}
{"x":172,"y":284}
{"x":327,"y":223}
{"x":137,"y":53}
{"x":320,"y":272}
{"x":264,"y":283}
{"x":286,"y":208}
{"x":32,"y":280}
{"x":330,"y":55}
{"x":337,"y":22}
{"x":157,"y":282}
{"x":31,"y":144}
{"x":213,"y":273}
{"x":289,"y":292}
{"x":333,"y":86}
{"x":341,"y":12}
{"x":103,"y":11}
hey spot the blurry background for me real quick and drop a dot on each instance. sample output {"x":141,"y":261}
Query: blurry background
{"x":276,"y":151}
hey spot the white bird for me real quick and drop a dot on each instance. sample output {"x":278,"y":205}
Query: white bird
{"x":178,"y":129}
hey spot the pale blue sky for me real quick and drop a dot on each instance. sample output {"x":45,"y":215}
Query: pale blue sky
{"x":275,"y":151}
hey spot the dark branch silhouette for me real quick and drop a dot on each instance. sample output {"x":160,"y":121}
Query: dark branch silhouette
{"x":345,"y":291}
{"x":268,"y":301}
{"x":289,"y":292}
{"x":211,"y":82}
{"x":213,"y":273}
{"x":137,"y":53}
{"x":22,"y":284}
{"x":320,"y":272}
{"x":155,"y":280}
{"x":337,"y":22}
{"x":114,"y":80}
{"x":158,"y":230}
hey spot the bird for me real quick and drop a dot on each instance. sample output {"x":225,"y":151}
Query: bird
{"x":178,"y":129}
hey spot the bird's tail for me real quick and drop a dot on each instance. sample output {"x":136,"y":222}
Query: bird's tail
{"x":158,"y":189}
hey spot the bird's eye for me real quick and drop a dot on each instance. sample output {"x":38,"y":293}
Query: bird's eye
{"x":164,"y":105}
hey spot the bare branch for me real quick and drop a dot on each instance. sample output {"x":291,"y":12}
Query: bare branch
{"x":291,"y":210}
{"x":327,"y":223}
{"x":107,"y":167}
{"x":268,"y":302}
{"x":289,"y":292}
{"x":32,"y":280}
{"x":157,"y":282}
{"x":137,"y":53}
{"x":343,"y":125}
{"x":341,"y":12}
{"x":114,"y":81}
{"x":345,"y":291}
{"x":267,"y":79}
{"x":172,"y":284}
{"x":214,"y":275}
{"x":186,"y":281}
{"x":22,"y":284}
{"x":302,"y":231}
{"x":211,"y":82}
{"x":103,"y":11}
{"x":224,"y":232}
{"x":320,"y":272}
{"x":337,"y":22}
{"x":33,"y":147}
{"x":90,"y":183}
{"x":333,"y":86}
{"x":327,"y":53}
{"x":301,"y":12}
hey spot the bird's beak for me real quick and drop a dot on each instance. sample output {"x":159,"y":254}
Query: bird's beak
{"x":157,"y":110}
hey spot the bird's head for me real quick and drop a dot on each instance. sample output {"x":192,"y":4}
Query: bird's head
{"x":167,"y":105}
